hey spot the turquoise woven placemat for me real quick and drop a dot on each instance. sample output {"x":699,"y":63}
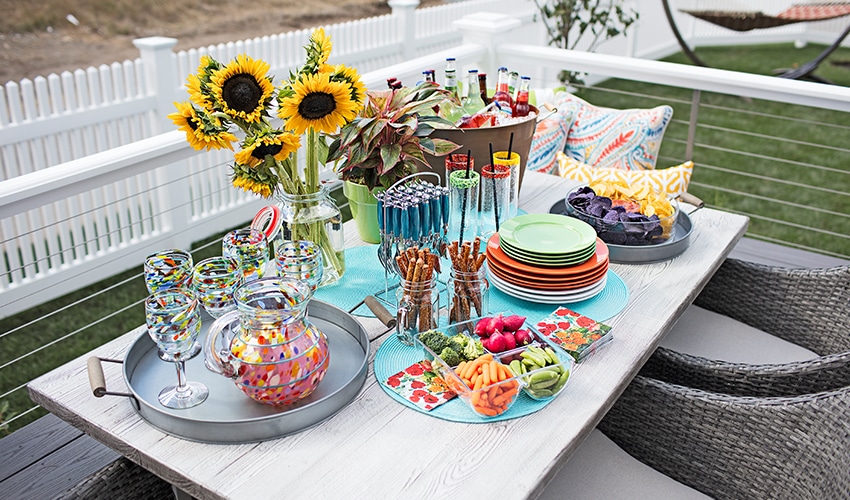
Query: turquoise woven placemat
{"x":364,"y":275}
{"x":393,"y":357}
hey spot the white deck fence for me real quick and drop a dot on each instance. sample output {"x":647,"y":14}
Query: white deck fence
{"x":89,"y":179}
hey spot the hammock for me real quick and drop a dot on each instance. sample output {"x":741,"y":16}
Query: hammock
{"x":746,"y":21}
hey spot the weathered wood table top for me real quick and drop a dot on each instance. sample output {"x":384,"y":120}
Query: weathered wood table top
{"x":378,"y":448}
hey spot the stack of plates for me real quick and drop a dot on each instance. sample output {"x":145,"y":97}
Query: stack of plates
{"x":547,"y":258}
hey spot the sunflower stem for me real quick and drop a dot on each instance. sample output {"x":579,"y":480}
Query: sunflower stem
{"x":311,"y":172}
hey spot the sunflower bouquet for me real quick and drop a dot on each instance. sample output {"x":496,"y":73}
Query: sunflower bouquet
{"x":240,"y":97}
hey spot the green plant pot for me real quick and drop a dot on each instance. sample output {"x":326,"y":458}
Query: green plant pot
{"x":364,"y":210}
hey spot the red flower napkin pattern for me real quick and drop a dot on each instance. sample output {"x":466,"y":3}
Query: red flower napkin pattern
{"x":579,"y":335}
{"x":419,"y":384}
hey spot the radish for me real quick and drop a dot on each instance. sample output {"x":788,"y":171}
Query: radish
{"x":510,"y":340}
{"x":481,"y":327}
{"x":523,"y":337}
{"x":513,"y":323}
{"x":496,"y":342}
{"x":496,"y":325}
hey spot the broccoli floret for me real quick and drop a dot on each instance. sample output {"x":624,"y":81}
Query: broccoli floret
{"x":434,"y":340}
{"x":458,"y":342}
{"x":473,"y":349}
{"x":450,"y":356}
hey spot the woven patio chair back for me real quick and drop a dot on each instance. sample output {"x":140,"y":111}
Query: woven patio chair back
{"x":737,"y":447}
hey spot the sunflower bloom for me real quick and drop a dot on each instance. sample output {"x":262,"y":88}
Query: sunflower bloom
{"x":317,"y":103}
{"x":321,"y":43}
{"x":202,"y":131}
{"x":278,"y":144}
{"x":242,"y":90}
{"x":197,"y":93}
{"x":262,"y":180}
{"x":248,"y":184}
{"x":349,"y":75}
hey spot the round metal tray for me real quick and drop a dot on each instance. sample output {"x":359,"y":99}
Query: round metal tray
{"x":228,"y":415}
{"x":645,"y":254}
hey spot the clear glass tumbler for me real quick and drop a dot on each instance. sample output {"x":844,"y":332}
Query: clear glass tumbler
{"x":495,"y":199}
{"x":463,"y":205}
{"x":512,"y":162}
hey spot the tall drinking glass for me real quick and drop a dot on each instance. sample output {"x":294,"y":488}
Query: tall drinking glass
{"x":512,"y":162}
{"x":168,"y":269}
{"x":214,"y":281}
{"x":174,"y":322}
{"x":495,"y":198}
{"x":250,"y":248}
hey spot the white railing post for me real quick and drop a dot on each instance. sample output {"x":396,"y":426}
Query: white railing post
{"x":405,"y":13}
{"x":488,"y":30}
{"x":160,"y":68}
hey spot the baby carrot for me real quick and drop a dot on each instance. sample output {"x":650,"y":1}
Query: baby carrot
{"x":494,"y":368}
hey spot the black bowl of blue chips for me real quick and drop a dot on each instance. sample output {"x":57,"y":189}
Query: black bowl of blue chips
{"x":618,"y":223}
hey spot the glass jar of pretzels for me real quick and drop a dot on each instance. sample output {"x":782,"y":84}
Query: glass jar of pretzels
{"x":417,"y":296}
{"x":468,"y":288}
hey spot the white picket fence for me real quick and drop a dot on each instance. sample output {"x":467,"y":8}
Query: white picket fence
{"x":58,"y":137}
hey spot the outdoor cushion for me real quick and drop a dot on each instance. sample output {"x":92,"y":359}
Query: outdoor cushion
{"x":627,"y":139}
{"x":550,"y":137}
{"x":601,"y":469}
{"x":704,"y":333}
{"x":672,"y":180}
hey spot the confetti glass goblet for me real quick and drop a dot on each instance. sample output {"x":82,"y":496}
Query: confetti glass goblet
{"x":173,"y":320}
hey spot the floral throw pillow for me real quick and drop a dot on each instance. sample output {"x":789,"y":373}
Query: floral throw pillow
{"x":627,"y":139}
{"x":550,"y":137}
{"x":672,"y":181}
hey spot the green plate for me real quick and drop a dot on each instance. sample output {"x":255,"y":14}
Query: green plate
{"x":547,"y":234}
{"x":549,"y":261}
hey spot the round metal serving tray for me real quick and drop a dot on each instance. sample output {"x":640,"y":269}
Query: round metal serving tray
{"x":228,"y":415}
{"x":645,"y":254}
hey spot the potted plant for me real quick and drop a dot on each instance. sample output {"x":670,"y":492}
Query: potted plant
{"x":385,"y":143}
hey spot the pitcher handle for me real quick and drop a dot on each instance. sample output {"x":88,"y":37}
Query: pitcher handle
{"x":219,"y":331}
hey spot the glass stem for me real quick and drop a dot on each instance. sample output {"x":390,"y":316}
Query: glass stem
{"x":183,"y":390}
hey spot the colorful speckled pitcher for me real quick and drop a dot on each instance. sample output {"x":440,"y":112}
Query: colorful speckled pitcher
{"x":267,"y":346}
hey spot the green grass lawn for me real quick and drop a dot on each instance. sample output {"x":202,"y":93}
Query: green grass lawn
{"x":718,"y":177}
{"x":762,"y":167}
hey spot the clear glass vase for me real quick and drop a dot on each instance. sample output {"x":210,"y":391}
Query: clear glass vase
{"x":315,"y":217}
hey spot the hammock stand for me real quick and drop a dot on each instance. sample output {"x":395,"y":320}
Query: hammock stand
{"x":746,"y":21}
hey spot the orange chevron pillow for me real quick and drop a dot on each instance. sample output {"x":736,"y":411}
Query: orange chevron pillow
{"x":673,"y":180}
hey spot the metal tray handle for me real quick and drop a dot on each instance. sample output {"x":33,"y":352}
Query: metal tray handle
{"x":692,"y":200}
{"x":97,"y":380}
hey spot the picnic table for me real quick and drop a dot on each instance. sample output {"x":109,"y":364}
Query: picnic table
{"x":376,"y":447}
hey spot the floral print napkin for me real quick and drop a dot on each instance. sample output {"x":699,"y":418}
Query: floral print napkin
{"x":579,"y":335}
{"x":419,"y":384}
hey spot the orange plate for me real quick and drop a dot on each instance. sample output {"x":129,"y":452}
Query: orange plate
{"x":503,"y":270}
{"x":535,"y":284}
{"x":495,"y":253}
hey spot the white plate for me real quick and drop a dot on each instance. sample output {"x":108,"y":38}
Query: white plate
{"x":548,"y":296}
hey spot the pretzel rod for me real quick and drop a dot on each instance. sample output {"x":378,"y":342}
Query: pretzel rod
{"x":402,"y":264}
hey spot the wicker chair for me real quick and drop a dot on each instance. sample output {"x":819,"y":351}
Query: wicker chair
{"x":736,"y":430}
{"x":121,"y":479}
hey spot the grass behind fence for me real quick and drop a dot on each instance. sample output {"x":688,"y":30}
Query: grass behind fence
{"x":728,"y":171}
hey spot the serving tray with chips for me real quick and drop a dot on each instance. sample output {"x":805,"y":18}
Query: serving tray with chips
{"x":644,"y":254}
